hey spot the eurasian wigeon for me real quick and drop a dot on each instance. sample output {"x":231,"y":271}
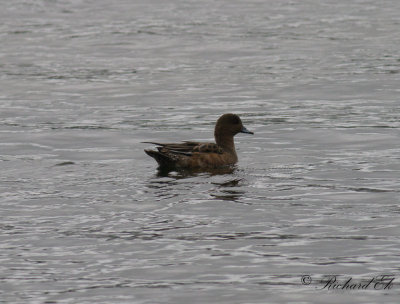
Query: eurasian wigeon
{"x":197,"y":155}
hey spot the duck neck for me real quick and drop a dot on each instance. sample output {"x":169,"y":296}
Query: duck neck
{"x":225,"y":142}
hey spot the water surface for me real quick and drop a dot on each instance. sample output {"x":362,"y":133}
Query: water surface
{"x":86,"y":218}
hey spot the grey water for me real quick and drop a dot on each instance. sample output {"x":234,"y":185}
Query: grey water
{"x":87,"y":218}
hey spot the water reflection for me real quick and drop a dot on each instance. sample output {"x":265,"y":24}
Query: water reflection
{"x":228,"y":190}
{"x":184,"y":173}
{"x":216,"y":184}
{"x":228,"y":195}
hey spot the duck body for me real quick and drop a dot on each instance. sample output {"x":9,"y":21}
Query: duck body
{"x":191,"y":154}
{"x":195,"y":155}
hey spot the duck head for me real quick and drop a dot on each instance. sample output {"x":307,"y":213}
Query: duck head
{"x":228,"y":125}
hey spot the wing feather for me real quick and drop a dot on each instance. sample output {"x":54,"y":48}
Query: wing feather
{"x":188,"y":147}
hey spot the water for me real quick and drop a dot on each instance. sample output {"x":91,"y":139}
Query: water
{"x":87,"y":219}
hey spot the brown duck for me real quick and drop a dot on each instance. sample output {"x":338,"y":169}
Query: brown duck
{"x":197,"y":155}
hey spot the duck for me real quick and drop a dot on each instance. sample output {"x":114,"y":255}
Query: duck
{"x":202,"y":155}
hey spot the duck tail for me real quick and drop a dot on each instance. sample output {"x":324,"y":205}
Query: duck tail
{"x":162,"y":159}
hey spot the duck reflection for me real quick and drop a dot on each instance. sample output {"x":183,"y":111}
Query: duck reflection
{"x":184,"y":173}
{"x":228,"y":190}
{"x":226,"y":184}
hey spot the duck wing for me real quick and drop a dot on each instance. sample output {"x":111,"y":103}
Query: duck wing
{"x":188,"y":147}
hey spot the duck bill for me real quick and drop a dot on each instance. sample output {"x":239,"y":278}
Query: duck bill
{"x":244,"y":130}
